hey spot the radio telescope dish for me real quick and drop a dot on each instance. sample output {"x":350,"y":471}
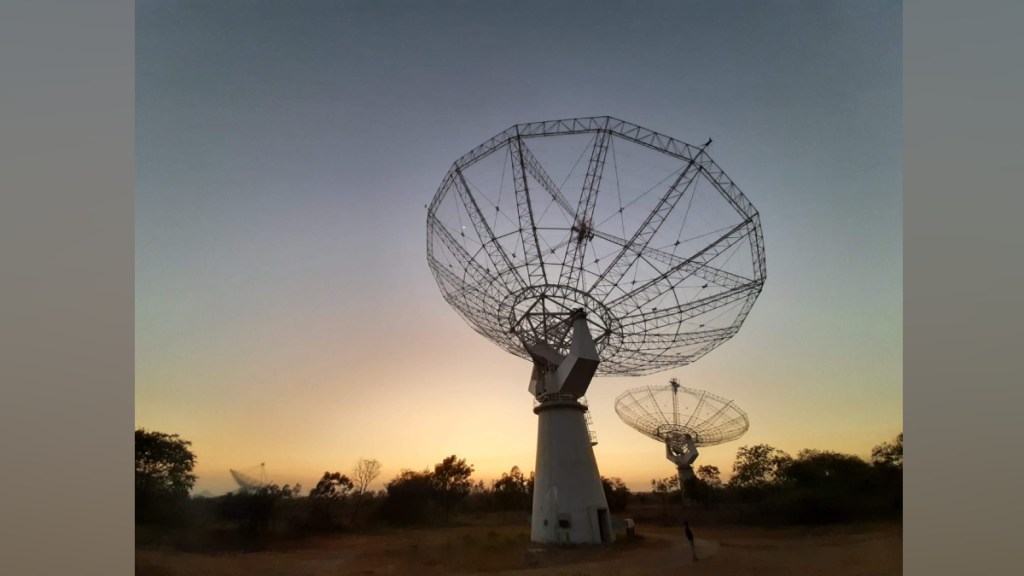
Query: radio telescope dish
{"x":682,"y":419}
{"x":250,"y":479}
{"x":643,"y":233}
{"x":591,"y":246}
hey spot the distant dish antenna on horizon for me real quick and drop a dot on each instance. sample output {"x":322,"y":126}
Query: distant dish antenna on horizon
{"x":253,"y":478}
{"x":682,"y":419}
{"x":591,"y":247}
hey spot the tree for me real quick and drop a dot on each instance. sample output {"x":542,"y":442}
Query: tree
{"x":163,"y":463}
{"x":451,"y":483}
{"x":886,"y":454}
{"x":703,"y":486}
{"x":366,"y":472}
{"x":710,"y":476}
{"x":512,"y":490}
{"x":616,"y":493}
{"x":758,"y":466}
{"x":254,"y":510}
{"x":408,"y":497}
{"x":887,"y":462}
{"x":664,"y":489}
{"x":665,"y":485}
{"x":163,"y":473}
{"x":478,"y":489}
{"x":825,"y":486}
{"x":332,"y":487}
{"x":827,"y":471}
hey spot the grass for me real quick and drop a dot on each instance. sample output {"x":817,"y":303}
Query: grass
{"x":490,"y":543}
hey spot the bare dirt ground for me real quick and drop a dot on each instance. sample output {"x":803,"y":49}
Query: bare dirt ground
{"x":863,"y":549}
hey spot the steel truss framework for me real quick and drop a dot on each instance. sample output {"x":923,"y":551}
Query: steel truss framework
{"x":669,"y":413}
{"x":666,"y":272}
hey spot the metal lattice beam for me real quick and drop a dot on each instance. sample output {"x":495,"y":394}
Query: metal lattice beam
{"x":527,"y":225}
{"x":583,"y":221}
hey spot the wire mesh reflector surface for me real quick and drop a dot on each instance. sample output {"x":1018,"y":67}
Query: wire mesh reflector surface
{"x":662,"y":415}
{"x":646,"y":234}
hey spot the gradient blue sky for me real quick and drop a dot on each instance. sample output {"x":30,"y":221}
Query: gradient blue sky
{"x":285,"y":151}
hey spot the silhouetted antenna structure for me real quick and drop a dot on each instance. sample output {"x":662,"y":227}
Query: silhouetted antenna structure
{"x":250,"y":479}
{"x":645,"y":234}
{"x":671,"y":413}
{"x":682,"y":419}
{"x":591,"y":246}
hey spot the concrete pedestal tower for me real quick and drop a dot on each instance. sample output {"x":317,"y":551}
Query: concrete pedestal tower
{"x":569,"y":504}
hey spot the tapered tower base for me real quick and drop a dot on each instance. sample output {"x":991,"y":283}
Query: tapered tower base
{"x":569,"y":505}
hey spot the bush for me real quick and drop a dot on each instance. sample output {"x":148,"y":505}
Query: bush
{"x":616,"y":493}
{"x":254,"y":512}
{"x":409,"y":498}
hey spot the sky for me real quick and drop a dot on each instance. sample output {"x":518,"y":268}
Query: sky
{"x":285,"y":152}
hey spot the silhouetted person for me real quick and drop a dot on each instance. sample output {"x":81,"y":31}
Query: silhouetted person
{"x":689,"y":536}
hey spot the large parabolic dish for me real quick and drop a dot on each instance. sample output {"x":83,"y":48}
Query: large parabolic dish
{"x":643,"y":233}
{"x":592,"y":246}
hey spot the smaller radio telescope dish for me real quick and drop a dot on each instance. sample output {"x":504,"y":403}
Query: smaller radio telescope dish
{"x":682,"y":419}
{"x":250,"y":479}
